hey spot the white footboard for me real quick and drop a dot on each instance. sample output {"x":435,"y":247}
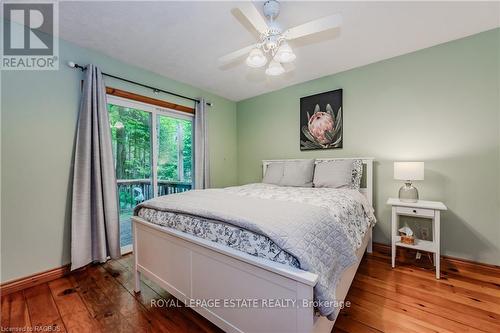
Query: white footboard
{"x":193,"y":269}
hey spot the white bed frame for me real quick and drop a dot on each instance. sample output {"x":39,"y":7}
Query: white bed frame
{"x":192,"y":268}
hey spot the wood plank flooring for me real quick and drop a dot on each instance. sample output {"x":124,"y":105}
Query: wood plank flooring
{"x":405,"y":299}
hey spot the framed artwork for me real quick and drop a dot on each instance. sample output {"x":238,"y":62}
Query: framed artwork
{"x":321,"y":121}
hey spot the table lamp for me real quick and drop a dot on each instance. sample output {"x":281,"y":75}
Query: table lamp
{"x":408,"y":171}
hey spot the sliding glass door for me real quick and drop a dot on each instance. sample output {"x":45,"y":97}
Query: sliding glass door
{"x":152,"y":150}
{"x":131,"y":140}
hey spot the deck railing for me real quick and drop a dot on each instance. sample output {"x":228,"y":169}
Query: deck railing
{"x":135,"y":191}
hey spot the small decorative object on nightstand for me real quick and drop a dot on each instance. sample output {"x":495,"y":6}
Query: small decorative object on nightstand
{"x":425,"y":209}
{"x":406,"y":235}
{"x":408,"y":171}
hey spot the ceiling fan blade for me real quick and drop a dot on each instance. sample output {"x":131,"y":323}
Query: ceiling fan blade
{"x":235,"y":55}
{"x":253,"y":16}
{"x":312,"y":27}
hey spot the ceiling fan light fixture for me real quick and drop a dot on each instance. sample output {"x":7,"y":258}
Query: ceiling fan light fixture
{"x":285,"y":54}
{"x":274,"y":68}
{"x":256,"y":58}
{"x":272,"y":47}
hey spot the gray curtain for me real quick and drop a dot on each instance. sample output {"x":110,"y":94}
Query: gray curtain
{"x":95,"y":228}
{"x":201,"y":156}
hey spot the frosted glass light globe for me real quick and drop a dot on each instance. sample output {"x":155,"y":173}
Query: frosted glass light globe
{"x":285,"y":54}
{"x":256,"y":58}
{"x":274,"y":68}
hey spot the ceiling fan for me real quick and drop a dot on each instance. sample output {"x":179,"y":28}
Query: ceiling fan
{"x":273,"y":40}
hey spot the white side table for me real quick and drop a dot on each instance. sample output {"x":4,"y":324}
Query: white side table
{"x":425,"y":209}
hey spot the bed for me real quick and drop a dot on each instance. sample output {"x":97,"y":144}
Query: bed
{"x":240,"y":289}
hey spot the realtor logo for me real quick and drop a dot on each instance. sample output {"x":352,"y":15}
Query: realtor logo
{"x":28,"y":36}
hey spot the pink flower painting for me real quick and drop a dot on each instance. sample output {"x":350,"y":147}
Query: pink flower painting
{"x":323,"y":127}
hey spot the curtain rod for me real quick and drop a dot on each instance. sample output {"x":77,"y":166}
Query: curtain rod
{"x":155,"y":90}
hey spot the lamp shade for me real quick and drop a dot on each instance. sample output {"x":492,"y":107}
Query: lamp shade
{"x":409,"y":170}
{"x":256,"y":58}
{"x":285,"y":54}
{"x":275,"y":68}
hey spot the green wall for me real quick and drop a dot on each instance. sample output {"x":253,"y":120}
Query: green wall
{"x":38,"y":122}
{"x":439,"y":105}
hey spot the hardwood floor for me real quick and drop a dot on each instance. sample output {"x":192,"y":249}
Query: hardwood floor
{"x":404,"y":299}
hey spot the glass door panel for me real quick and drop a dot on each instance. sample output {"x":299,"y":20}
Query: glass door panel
{"x":131,"y":140}
{"x":152,"y":151}
{"x":174,"y":154}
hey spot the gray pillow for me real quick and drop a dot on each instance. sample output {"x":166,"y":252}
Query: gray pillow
{"x":274,"y":173}
{"x":298,"y":173}
{"x":338,"y":174}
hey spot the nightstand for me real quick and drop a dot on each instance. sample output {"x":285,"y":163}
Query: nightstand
{"x":424,"y":209}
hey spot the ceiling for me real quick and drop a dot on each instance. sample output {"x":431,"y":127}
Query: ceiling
{"x":183,"y":40}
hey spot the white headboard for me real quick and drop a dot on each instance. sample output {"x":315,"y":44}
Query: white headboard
{"x":366,"y":180}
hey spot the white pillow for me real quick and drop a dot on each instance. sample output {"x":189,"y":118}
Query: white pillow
{"x":338,"y":174}
{"x":274,"y":173}
{"x":298,"y":173}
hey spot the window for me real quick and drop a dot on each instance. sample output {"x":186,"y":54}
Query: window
{"x":153,"y":155}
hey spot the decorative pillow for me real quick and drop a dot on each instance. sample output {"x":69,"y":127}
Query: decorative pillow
{"x":274,"y":173}
{"x":298,"y":173}
{"x":338,"y":174}
{"x":357,"y":174}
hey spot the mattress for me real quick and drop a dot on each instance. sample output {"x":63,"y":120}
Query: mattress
{"x":222,"y":233}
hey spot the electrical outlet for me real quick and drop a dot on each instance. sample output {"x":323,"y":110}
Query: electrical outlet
{"x":424,"y":233}
{"x":419,"y":255}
